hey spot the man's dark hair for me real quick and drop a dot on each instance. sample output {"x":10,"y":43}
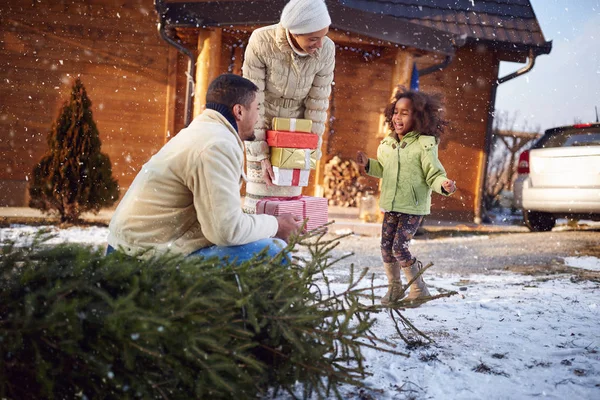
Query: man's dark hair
{"x":231,"y":89}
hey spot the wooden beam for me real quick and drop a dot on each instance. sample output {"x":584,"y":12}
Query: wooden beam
{"x":401,"y":76}
{"x":207,"y":66}
{"x":402,"y":72}
{"x":517,"y":134}
{"x":171,"y":95}
{"x":239,"y":58}
{"x":242,"y":32}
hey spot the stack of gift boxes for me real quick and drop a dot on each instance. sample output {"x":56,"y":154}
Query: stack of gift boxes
{"x":293,"y":154}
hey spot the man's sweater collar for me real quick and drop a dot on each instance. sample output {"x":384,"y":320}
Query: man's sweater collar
{"x":225,"y":111}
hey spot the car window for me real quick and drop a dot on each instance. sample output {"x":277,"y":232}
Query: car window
{"x":587,"y":139}
{"x":571,"y":138}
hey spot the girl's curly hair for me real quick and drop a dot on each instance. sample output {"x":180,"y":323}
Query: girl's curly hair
{"x":428,"y":112}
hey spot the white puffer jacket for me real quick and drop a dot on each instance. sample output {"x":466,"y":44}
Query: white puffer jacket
{"x":291,"y":86}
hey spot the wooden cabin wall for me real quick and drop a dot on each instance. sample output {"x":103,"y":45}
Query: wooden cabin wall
{"x":232,"y":56}
{"x":362,"y":88}
{"x":466,"y":85}
{"x":116,"y":50}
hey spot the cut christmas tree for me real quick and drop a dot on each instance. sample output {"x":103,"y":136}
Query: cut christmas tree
{"x":77,"y":324}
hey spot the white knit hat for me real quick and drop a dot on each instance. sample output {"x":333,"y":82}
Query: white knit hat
{"x":305,"y":16}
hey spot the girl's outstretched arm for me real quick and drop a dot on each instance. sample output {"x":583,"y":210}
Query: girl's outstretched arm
{"x":449,"y":186}
{"x":372,"y":167}
{"x":435,"y":174}
{"x":362,"y":159}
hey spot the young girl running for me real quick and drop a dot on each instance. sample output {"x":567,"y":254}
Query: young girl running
{"x":407,"y":162}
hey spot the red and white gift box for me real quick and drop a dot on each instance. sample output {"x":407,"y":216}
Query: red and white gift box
{"x":291,"y":177}
{"x":313,"y":208}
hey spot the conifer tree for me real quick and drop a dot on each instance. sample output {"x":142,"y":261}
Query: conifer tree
{"x":73,"y":177}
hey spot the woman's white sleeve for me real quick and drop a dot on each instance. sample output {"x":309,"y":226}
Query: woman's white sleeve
{"x":255,"y":70}
{"x":317,"y":102}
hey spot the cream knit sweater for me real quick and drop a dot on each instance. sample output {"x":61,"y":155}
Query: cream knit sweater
{"x":186,"y":197}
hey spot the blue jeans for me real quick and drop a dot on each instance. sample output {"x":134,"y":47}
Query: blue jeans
{"x":244,"y":252}
{"x":238,"y":253}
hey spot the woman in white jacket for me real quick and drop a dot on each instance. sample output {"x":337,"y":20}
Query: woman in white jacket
{"x":292,"y":64}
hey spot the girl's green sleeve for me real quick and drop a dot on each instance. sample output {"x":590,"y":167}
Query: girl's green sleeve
{"x":374,"y":168}
{"x":434,"y":171}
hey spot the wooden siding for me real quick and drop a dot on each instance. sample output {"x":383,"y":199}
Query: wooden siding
{"x":363,"y":86}
{"x":467,"y":87}
{"x":137,"y":85}
{"x":123,"y":63}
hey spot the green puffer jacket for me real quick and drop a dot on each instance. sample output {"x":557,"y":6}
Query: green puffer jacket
{"x":410,"y":169}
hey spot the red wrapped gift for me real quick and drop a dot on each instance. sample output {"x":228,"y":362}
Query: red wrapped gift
{"x":293,"y":140}
{"x":313,"y":208}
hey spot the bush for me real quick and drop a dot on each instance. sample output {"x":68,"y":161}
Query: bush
{"x":74,"y":323}
{"x":73,"y":177}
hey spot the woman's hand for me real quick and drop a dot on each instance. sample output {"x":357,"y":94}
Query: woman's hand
{"x":362,"y":159}
{"x":267,"y":172}
{"x":449,"y":186}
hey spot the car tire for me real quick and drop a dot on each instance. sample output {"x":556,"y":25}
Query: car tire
{"x":538,"y":221}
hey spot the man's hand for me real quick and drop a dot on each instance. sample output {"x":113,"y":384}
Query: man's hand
{"x":267,"y":171}
{"x":362,"y":159}
{"x":449,"y":186}
{"x":288,"y":225}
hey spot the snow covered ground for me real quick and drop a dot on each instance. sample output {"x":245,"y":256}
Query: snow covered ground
{"x":24,"y":234}
{"x":504,"y":336}
{"x":589,"y":263}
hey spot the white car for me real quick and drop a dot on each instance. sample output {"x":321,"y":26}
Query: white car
{"x":560,"y":177}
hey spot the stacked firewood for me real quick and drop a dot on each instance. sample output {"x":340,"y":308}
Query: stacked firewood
{"x":343,"y":183}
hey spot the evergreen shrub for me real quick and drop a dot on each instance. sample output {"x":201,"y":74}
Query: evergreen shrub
{"x":74,"y":176}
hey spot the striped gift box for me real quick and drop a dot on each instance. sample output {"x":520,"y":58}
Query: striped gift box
{"x":313,"y":208}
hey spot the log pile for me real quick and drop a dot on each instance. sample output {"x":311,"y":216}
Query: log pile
{"x":343,"y":183}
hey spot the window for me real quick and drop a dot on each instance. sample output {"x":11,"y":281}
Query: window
{"x":570,"y":138}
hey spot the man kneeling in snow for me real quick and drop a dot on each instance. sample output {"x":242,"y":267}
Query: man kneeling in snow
{"x":186,"y":199}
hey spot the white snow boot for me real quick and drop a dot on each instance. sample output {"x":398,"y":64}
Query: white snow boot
{"x":418,"y":288}
{"x":395,"y":291}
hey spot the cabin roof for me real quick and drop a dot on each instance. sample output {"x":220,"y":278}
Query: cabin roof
{"x":231,"y":13}
{"x":430,"y":25}
{"x":508,"y":24}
